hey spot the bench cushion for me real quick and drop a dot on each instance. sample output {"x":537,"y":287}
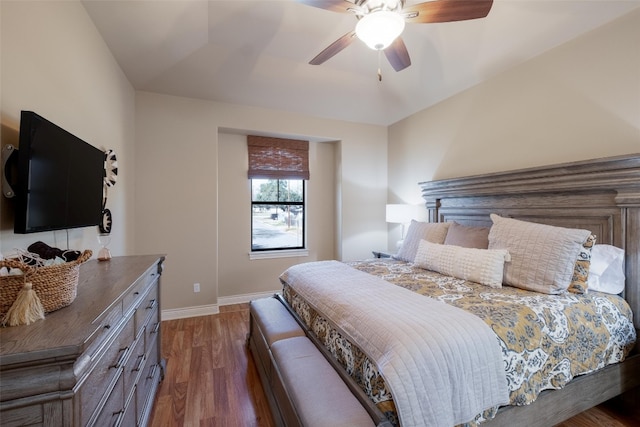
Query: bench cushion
{"x":319,"y":394}
{"x":274,"y":320}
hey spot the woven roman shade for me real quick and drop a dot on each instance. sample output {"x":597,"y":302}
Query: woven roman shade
{"x":278,"y":158}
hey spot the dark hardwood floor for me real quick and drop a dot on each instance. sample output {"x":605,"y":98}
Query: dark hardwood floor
{"x":211,"y":379}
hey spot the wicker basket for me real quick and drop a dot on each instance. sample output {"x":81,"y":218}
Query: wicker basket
{"x":55,"y":285}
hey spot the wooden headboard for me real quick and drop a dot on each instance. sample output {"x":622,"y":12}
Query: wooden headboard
{"x":601,"y":195}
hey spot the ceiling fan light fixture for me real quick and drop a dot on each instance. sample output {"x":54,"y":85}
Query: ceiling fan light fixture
{"x":379,"y":29}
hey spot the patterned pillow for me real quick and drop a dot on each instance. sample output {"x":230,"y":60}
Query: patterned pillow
{"x":579,"y":280}
{"x":484,"y":266}
{"x":434,"y":232}
{"x":543,"y":257}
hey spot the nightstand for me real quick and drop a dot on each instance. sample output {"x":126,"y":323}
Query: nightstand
{"x":382,"y":254}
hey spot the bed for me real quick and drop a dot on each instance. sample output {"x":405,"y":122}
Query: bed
{"x":571,"y":367}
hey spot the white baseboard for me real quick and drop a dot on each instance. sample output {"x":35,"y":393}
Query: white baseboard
{"x":239,"y":299}
{"x":183,"y":313}
{"x":206,"y":310}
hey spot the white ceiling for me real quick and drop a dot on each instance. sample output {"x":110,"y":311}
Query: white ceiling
{"x":256,"y":53}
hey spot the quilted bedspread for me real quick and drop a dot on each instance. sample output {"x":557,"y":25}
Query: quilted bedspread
{"x":441,"y":364}
{"x":544,"y":340}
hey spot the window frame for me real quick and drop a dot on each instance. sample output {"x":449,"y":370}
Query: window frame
{"x":276,"y":252}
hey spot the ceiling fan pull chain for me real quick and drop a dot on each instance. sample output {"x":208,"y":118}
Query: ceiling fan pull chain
{"x":379,"y":71}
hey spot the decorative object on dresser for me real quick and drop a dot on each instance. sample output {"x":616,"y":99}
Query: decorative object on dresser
{"x":104,"y":254}
{"x":26,"y":297}
{"x":110,"y":178}
{"x":96,"y":362}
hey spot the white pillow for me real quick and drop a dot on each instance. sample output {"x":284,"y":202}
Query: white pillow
{"x":606,"y":271}
{"x":543,"y":257}
{"x":484,"y":266}
{"x":434,"y":232}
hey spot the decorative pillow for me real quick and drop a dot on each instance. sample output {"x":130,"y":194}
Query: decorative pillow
{"x":434,"y":232}
{"x":579,"y":284}
{"x":467,"y":236}
{"x":484,"y":266}
{"x":606,"y":272}
{"x":543,"y":257}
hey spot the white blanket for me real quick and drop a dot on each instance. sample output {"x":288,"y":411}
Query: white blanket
{"x":442,"y":365}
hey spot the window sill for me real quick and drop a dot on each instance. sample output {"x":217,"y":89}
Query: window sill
{"x":279,"y":254}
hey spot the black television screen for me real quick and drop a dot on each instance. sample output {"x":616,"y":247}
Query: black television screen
{"x":60,"y":178}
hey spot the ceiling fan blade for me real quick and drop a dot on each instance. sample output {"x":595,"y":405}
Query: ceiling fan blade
{"x":398,"y":55}
{"x":446,"y":11}
{"x":333,"y":48}
{"x":332,"y":5}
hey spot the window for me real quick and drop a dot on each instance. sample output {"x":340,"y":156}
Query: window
{"x":277,"y":214}
{"x":278,"y":168}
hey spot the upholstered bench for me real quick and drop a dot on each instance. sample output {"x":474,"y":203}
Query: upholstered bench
{"x":320,"y":397}
{"x":274,"y":320}
{"x":303,"y":388}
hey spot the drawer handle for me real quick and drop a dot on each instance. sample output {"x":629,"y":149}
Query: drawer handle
{"x":107,"y":326}
{"x":152,"y":304}
{"x":140,"y":363}
{"x":120,"y":361}
{"x":120,"y":414}
{"x":136,"y":293}
{"x":152,"y":372}
{"x":155,"y":328}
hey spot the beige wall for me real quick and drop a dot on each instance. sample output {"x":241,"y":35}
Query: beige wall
{"x":577,"y":102}
{"x":237,"y":275}
{"x":192,"y":195}
{"x":176,"y":199}
{"x":54,"y":62}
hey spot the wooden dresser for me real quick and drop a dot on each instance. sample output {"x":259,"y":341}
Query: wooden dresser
{"x":95,"y":362}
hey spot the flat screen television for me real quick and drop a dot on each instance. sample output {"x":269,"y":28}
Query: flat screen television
{"x":59,"y":180}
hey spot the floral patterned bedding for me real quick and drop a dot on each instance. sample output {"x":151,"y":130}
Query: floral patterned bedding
{"x":546,"y":340}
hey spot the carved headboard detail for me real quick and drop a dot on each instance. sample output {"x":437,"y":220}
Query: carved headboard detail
{"x":601,"y":195}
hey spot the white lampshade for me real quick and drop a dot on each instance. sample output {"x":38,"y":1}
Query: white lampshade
{"x":403,"y":214}
{"x":379,"y":29}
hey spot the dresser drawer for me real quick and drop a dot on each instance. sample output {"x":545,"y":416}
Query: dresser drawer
{"x":148,"y":307}
{"x":109,"y":366}
{"x":138,"y":288}
{"x":113,"y":409}
{"x":23,"y":416}
{"x":130,"y":414}
{"x":135,"y":293}
{"x":25,"y":382}
{"x":147,"y":384}
{"x":103,"y":327}
{"x":152,"y":331}
{"x":134,"y":365}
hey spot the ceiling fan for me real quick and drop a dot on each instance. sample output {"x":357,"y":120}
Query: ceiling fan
{"x":381,"y":22}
